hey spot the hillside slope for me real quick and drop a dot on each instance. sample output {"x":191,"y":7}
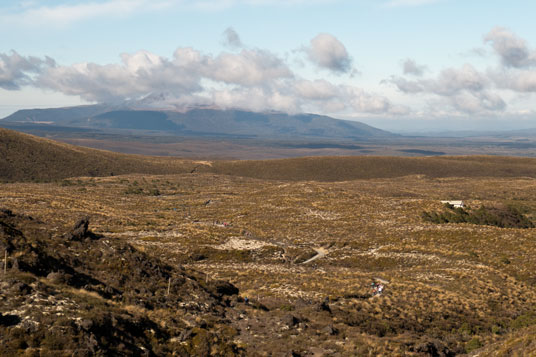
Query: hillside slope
{"x":79,"y":294}
{"x":201,"y":122}
{"x":369,"y":167}
{"x":25,"y":157}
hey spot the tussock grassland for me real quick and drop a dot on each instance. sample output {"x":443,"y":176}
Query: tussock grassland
{"x":455,"y":287}
{"x":368,"y":167}
{"x":25,"y":157}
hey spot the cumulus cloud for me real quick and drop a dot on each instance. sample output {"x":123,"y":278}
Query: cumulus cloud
{"x":137,"y":75}
{"x":248,"y":68}
{"x":252,"y":79}
{"x":316,"y":90}
{"x":343,"y":97}
{"x":411,"y":67}
{"x":17,"y":70}
{"x":517,"y":72}
{"x":327,"y":51}
{"x":518,"y":80}
{"x":231,"y":38}
{"x":512,"y":49}
{"x":469,"y":90}
{"x":450,"y":81}
{"x":464,"y":89}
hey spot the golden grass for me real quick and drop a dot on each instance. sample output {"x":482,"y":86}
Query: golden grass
{"x":449,"y":279}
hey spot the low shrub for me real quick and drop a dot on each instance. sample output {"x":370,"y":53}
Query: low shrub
{"x":506,"y":216}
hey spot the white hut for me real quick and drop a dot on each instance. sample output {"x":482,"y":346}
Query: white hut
{"x":455,"y":204}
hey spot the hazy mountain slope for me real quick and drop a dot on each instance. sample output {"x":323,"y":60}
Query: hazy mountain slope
{"x":26,"y":157}
{"x":237,"y":122}
{"x":59,"y":116}
{"x":201,"y":122}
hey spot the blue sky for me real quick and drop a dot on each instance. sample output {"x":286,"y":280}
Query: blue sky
{"x":421,"y":63}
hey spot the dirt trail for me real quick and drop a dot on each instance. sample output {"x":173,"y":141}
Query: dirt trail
{"x":320,"y":253}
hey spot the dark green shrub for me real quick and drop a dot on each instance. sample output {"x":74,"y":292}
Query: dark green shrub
{"x":473,"y":344}
{"x":506,"y":216}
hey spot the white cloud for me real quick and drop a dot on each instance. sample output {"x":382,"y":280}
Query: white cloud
{"x":17,"y":70}
{"x":517,"y":71}
{"x":327,"y":51}
{"x":252,"y":79}
{"x":68,"y":13}
{"x":463,"y":89}
{"x":65,"y":13}
{"x":469,"y":90}
{"x":512,"y":49}
{"x":411,"y":67}
{"x":316,"y":90}
{"x":231,"y":38}
{"x":518,"y":80}
{"x":450,"y":81}
{"x":248,"y":68}
{"x":137,"y":75}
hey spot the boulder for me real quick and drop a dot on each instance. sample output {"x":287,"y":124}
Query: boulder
{"x":80,"y":230}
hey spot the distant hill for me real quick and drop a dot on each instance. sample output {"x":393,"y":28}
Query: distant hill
{"x":25,"y":157}
{"x":370,"y":167}
{"x":200,"y":122}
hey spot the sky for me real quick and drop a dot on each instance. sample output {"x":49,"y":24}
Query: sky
{"x":406,"y":65}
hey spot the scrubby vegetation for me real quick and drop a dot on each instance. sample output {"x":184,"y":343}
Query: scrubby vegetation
{"x":89,"y":295}
{"x":451,"y":288}
{"x":504,"y":216}
{"x":28,"y":158}
{"x":170,"y":273}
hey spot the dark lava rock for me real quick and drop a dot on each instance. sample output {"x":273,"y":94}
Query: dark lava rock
{"x":9,"y":320}
{"x":290,"y":320}
{"x":59,"y":277}
{"x":7,"y":212}
{"x":80,"y":230}
{"x":223,"y":288}
{"x":330,"y":330}
{"x":434,"y":348}
{"x":21,"y":288}
{"x":324,"y":305}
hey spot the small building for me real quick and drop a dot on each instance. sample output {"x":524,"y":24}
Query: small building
{"x":455,"y":204}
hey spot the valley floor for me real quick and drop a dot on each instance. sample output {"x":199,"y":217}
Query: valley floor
{"x":449,"y":288}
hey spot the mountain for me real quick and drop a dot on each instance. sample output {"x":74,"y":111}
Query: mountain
{"x":198,"y":122}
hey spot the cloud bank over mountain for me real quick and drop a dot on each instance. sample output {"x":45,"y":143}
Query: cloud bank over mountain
{"x":258,"y":79}
{"x":248,"y":78}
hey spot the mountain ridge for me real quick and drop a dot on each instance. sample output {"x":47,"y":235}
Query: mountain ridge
{"x":200,"y":122}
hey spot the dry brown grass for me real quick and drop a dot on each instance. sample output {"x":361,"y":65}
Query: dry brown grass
{"x":454,"y":282}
